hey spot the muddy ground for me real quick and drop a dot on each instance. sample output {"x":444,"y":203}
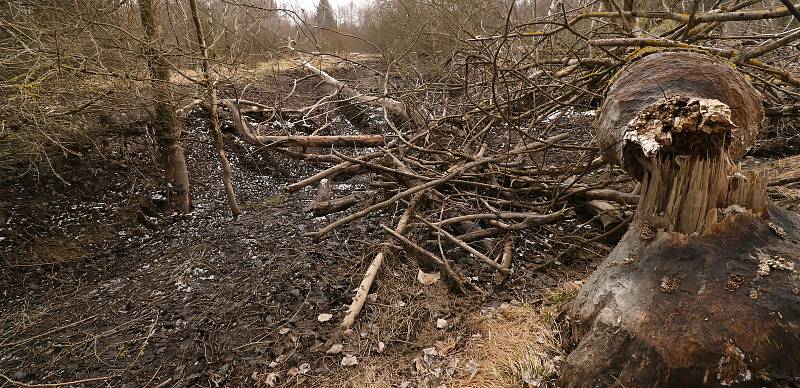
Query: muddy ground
{"x":100,"y":286}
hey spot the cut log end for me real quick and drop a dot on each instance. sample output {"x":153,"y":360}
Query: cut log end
{"x":677,"y":125}
{"x":680,"y":103}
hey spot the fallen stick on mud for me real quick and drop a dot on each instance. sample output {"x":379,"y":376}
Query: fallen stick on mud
{"x":322,"y":141}
{"x":533,"y":217}
{"x":451,"y":275}
{"x":323,"y":204}
{"x":453,"y":172}
{"x":607,"y":214}
{"x":76,"y":382}
{"x":465,"y":246}
{"x":506,"y":228}
{"x":308,"y":156}
{"x":372,"y":271}
{"x":330,"y":172}
{"x":505,"y":260}
{"x":247,"y":134}
{"x":334,"y":205}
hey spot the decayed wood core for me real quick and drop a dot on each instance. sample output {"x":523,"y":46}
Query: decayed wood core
{"x":680,"y":125}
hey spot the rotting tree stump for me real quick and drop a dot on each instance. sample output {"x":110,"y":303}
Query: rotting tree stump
{"x":703,"y":288}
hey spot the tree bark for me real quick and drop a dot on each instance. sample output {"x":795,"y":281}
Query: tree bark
{"x":705,"y":310}
{"x":165,"y":120}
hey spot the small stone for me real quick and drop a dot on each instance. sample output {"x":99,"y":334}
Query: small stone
{"x":324,"y":317}
{"x":349,"y":333}
{"x":429,"y":355}
{"x":304,"y":368}
{"x":441,"y":323}
{"x":452,"y":366}
{"x":471,"y":368}
{"x":335,"y":349}
{"x":349,"y":361}
{"x":428,"y":278}
{"x":271,"y":379}
{"x":381,"y":346}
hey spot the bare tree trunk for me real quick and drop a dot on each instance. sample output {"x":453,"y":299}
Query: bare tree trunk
{"x":212,"y":110}
{"x":163,"y":113}
{"x":702,"y":289}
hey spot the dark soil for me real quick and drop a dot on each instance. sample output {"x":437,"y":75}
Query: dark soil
{"x":100,"y":280}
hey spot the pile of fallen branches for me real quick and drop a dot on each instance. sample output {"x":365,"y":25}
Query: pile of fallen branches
{"x":490,"y":150}
{"x":460,"y":187}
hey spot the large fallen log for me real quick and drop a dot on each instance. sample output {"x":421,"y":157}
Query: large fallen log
{"x":394,"y":107}
{"x":703,"y":288}
{"x":323,"y":141}
{"x":670,"y":310}
{"x":247,"y":134}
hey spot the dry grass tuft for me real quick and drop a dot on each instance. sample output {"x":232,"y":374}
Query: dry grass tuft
{"x":516,"y":345}
{"x":513,"y":345}
{"x":377,"y":372}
